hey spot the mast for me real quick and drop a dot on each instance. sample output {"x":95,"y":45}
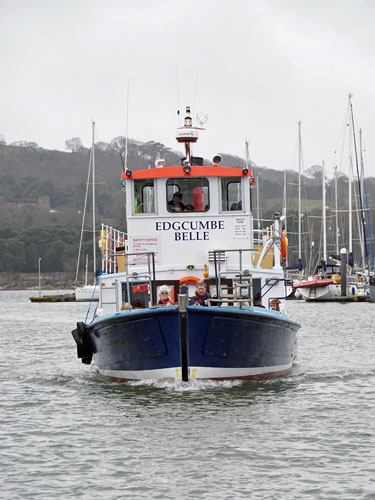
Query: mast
{"x":258,"y":204}
{"x":337,"y":218}
{"x":284,"y":214}
{"x":350,"y":206}
{"x":364,"y":250}
{"x":127,"y":134}
{"x":247,"y":164}
{"x":324,"y":215}
{"x":299,"y":193}
{"x":371,"y":261}
{"x":93,"y":201}
{"x":187,"y":135}
{"x":284,"y":204}
{"x":84,"y":217}
{"x":86,"y":268}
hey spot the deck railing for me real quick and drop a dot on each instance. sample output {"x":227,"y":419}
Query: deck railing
{"x":112,"y":248}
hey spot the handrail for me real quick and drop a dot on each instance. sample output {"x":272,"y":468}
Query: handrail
{"x":276,"y":281}
{"x":242,"y":274}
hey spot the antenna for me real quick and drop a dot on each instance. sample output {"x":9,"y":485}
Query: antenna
{"x":125,"y":163}
{"x":196,"y":89}
{"x":178,"y":97}
{"x":202,"y":119}
{"x":247,"y":154}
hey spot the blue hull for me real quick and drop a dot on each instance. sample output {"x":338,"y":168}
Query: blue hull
{"x":235,"y":339}
{"x":221,"y":343}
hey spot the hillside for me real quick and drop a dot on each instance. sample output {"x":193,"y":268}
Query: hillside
{"x":42,"y":197}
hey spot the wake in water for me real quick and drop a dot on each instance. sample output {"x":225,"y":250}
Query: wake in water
{"x":192,"y":386}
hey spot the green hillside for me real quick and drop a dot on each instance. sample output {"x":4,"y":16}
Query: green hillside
{"x":42,"y":198}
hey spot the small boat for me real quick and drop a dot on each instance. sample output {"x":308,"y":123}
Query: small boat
{"x":322,"y":287}
{"x":372,"y":288}
{"x":190,"y":228}
{"x":65,"y":297}
{"x":87,"y":293}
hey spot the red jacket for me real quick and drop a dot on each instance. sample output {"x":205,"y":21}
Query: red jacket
{"x":165,"y":302}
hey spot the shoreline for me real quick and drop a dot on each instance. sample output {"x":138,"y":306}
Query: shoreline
{"x":30,"y":281}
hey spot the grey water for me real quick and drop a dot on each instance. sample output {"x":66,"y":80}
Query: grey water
{"x":67,"y":433}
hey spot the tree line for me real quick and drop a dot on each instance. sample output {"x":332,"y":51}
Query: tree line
{"x":57,"y":246}
{"x":28,"y":172}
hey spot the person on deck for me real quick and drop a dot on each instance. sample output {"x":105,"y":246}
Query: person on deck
{"x":275,"y":304}
{"x":175,"y":204}
{"x":126,"y":306}
{"x":201,"y":295}
{"x":164,"y":296}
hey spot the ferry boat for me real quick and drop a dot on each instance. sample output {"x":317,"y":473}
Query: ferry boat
{"x":190,"y":225}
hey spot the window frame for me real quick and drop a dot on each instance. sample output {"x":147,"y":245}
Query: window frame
{"x":146,"y":183}
{"x":232,"y":180}
{"x":205,"y":183}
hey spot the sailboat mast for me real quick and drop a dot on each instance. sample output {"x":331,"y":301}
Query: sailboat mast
{"x":83,"y":217}
{"x":371,"y":261}
{"x":258,"y":205}
{"x":337,"y":218}
{"x":299,"y":192}
{"x":284,"y":207}
{"x":93,"y":201}
{"x":247,"y":159}
{"x":365,"y":254}
{"x":324,"y":215}
{"x":350,"y":206}
{"x":86,"y":268}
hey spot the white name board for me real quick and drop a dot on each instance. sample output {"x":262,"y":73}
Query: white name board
{"x":240,"y":228}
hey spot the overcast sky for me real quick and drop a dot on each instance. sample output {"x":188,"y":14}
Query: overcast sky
{"x":255,"y":67}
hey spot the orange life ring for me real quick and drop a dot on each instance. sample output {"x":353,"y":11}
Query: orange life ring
{"x":283,"y":248}
{"x":190,"y":280}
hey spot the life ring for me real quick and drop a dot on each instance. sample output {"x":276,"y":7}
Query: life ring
{"x":190,"y":280}
{"x":283,"y":248}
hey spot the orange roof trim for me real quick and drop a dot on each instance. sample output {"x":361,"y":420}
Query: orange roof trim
{"x":196,"y":171}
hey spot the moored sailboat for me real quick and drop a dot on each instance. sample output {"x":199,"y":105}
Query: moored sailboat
{"x":88,"y":292}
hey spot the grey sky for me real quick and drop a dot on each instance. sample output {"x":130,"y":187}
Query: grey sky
{"x":255,"y":67}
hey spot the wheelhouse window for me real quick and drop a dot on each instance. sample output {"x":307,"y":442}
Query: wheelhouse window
{"x":231,"y":194}
{"x":188,"y":195}
{"x":144,"y":196}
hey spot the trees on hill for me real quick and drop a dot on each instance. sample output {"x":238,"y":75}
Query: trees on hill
{"x":57,"y":246}
{"x":25,"y":144}
{"x":75,"y":145}
{"x":27,"y":174}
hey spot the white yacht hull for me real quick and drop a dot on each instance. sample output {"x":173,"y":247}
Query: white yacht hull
{"x":87,"y":293}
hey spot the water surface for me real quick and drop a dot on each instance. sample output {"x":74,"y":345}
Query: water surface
{"x":67,"y":433}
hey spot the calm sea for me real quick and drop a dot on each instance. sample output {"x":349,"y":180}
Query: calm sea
{"x":68,"y":434}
